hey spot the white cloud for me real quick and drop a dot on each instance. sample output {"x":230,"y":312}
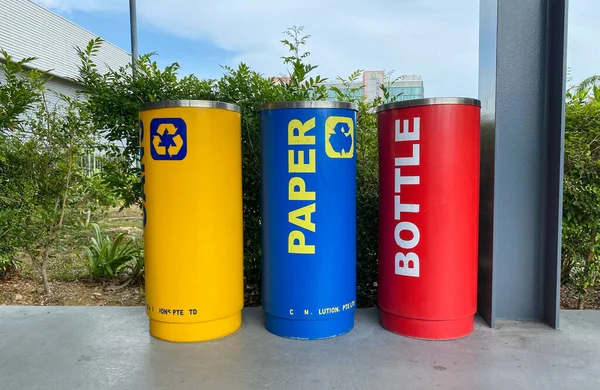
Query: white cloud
{"x":84,"y":5}
{"x":437,"y":39}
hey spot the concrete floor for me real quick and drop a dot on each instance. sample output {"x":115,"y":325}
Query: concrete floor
{"x":110,"y":348}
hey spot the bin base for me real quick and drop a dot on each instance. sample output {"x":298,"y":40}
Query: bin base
{"x":427,"y":329}
{"x":195,"y":331}
{"x":309,"y":329}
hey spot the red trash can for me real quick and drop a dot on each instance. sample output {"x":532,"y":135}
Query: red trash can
{"x":428,"y":216}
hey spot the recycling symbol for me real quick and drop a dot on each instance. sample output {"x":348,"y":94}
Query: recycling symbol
{"x":339,"y":137}
{"x":168,"y":139}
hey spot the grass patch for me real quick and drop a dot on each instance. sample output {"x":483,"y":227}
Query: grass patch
{"x":68,"y":260}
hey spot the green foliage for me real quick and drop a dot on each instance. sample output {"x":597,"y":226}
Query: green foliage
{"x":67,"y":267}
{"x":44,"y":188}
{"x":22,"y":89}
{"x":8,"y":267}
{"x":300,"y":86}
{"x":41,"y":167}
{"x":97,"y":193}
{"x":114,"y":100}
{"x":249,"y":90}
{"x":581,"y":207}
{"x":106,"y":259}
{"x":42,"y":185}
{"x":134,"y":270}
{"x":367,"y":184}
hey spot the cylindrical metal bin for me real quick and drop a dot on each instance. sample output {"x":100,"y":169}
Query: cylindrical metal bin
{"x":308,"y":158}
{"x":192,"y":197}
{"x":428,"y":216}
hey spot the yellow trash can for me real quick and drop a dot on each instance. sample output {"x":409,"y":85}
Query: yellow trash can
{"x":193,"y":234}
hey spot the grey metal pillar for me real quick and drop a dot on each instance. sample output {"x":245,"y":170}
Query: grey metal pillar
{"x":133,"y":28}
{"x":522,"y":64}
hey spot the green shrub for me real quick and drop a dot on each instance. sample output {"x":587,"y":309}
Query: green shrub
{"x":114,"y":101}
{"x":367,"y":185}
{"x":107,"y":259}
{"x":43,"y":187}
{"x":581,"y":206}
{"x":134,"y":270}
{"x":67,"y":266}
{"x":9,"y":267}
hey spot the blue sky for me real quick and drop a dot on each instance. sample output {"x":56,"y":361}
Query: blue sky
{"x":195,"y":56}
{"x":436,"y":39}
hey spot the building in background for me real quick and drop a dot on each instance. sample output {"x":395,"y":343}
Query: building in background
{"x":405,"y":87}
{"x":281,"y":79}
{"x":30,"y":30}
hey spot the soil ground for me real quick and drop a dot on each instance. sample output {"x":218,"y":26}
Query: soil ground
{"x":568,"y":299}
{"x":71,"y":286}
{"x":30,"y":292}
{"x":69,"y":281}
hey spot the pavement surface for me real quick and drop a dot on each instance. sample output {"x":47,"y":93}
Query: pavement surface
{"x":111,"y":348}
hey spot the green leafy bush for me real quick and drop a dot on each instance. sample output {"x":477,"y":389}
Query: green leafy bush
{"x":367,"y":185}
{"x":581,"y":207}
{"x":42,"y":187}
{"x":134,"y":270}
{"x":114,"y":101}
{"x":41,"y":181}
{"x":9,"y":267}
{"x":106,"y":259}
{"x":21,"y":91}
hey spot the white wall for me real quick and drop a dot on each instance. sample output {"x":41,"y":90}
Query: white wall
{"x":54,"y":87}
{"x":58,"y":85}
{"x":30,"y":30}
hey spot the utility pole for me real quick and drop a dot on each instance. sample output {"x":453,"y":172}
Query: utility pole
{"x":133,"y":26}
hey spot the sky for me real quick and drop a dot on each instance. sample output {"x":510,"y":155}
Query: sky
{"x":436,"y":39}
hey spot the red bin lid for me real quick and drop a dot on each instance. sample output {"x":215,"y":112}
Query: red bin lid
{"x":428,"y":102}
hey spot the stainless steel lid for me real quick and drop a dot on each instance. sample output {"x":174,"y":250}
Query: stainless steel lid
{"x":428,"y":102}
{"x":191,"y":103}
{"x":309,"y":104}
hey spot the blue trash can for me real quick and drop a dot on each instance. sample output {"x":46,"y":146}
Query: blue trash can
{"x":308,"y":164}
